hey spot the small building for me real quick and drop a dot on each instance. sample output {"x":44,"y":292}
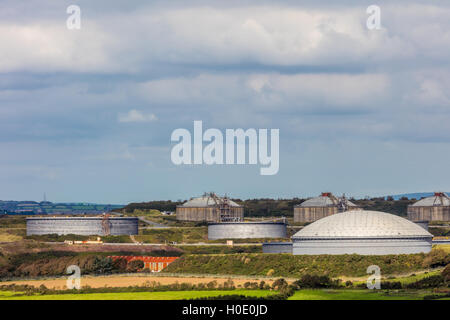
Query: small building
{"x":210,"y":208}
{"x":322,"y":206}
{"x":434,"y":208}
{"x":154,"y":264}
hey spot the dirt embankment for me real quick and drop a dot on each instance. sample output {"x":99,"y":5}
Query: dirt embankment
{"x":125,"y":281}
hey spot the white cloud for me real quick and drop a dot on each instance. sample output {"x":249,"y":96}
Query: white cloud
{"x":50,"y":46}
{"x":136,"y":116}
{"x":272,"y":35}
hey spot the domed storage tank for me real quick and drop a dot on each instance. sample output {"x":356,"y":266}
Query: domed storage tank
{"x":434,"y":208}
{"x":82,"y":225}
{"x":210,"y":208}
{"x":362,"y":232}
{"x":323,"y":206}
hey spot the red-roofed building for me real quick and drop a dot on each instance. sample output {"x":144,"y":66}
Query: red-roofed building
{"x":155,"y":264}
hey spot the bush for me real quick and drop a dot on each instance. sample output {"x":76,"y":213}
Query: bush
{"x":391,"y":285}
{"x":279,"y":284}
{"x":446,"y":273}
{"x":315,"y":281}
{"x":436,"y":258}
{"x":135,"y":265}
{"x":428,"y":282}
{"x":262,"y":284}
{"x":120,"y":265}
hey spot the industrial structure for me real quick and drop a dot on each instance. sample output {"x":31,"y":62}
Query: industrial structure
{"x":322,"y":206}
{"x":247,"y":230}
{"x":99,"y":225}
{"x":362,"y":232}
{"x":210,"y":208}
{"x":154,"y":264}
{"x":277,"y":247}
{"x":434,"y":208}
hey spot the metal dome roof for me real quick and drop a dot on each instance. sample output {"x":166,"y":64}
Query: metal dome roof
{"x":362,"y":224}
{"x":205,"y":201}
{"x":324,"y":200}
{"x":439,"y":199}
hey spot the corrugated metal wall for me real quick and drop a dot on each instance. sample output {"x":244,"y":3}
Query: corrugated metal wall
{"x":246,"y":230}
{"x":209,"y":214}
{"x":436,"y":213}
{"x":81,"y":226}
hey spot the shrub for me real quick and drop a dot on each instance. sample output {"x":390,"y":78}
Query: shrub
{"x":436,"y":258}
{"x":446,"y":273}
{"x":315,"y":281}
{"x":103,"y":265}
{"x":391,"y":285}
{"x":135,"y":265}
{"x":270,"y":272}
{"x":428,"y":282}
{"x":120,"y":265}
{"x":262,"y":284}
{"x":279,"y":284}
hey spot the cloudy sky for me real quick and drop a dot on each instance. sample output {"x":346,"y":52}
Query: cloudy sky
{"x":86,"y":115}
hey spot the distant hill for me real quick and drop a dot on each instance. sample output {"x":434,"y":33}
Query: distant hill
{"x":418,"y":195}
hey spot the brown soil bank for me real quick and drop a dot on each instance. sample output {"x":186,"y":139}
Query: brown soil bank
{"x":126,"y":281}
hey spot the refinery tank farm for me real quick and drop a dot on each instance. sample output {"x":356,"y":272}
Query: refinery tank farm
{"x":325,"y":224}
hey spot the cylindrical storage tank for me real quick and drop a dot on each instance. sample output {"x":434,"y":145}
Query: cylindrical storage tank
{"x":320,"y":207}
{"x":277,"y":247}
{"x":246,"y":230}
{"x":434,"y":208}
{"x":82,"y":225}
{"x":362,"y":232}
{"x":210,"y":208}
{"x":423,"y":224}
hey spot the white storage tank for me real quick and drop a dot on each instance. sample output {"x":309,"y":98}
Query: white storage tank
{"x":362,"y":232}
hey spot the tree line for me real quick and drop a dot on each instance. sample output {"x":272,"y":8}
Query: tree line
{"x":279,"y":207}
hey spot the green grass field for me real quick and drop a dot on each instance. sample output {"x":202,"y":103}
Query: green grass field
{"x":363,"y":294}
{"x":167,"y":295}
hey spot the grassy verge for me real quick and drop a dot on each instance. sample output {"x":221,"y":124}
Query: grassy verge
{"x":445,"y":247}
{"x":364,"y":294}
{"x":166,"y":295}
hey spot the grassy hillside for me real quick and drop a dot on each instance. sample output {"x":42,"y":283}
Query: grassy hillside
{"x":287,"y":265}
